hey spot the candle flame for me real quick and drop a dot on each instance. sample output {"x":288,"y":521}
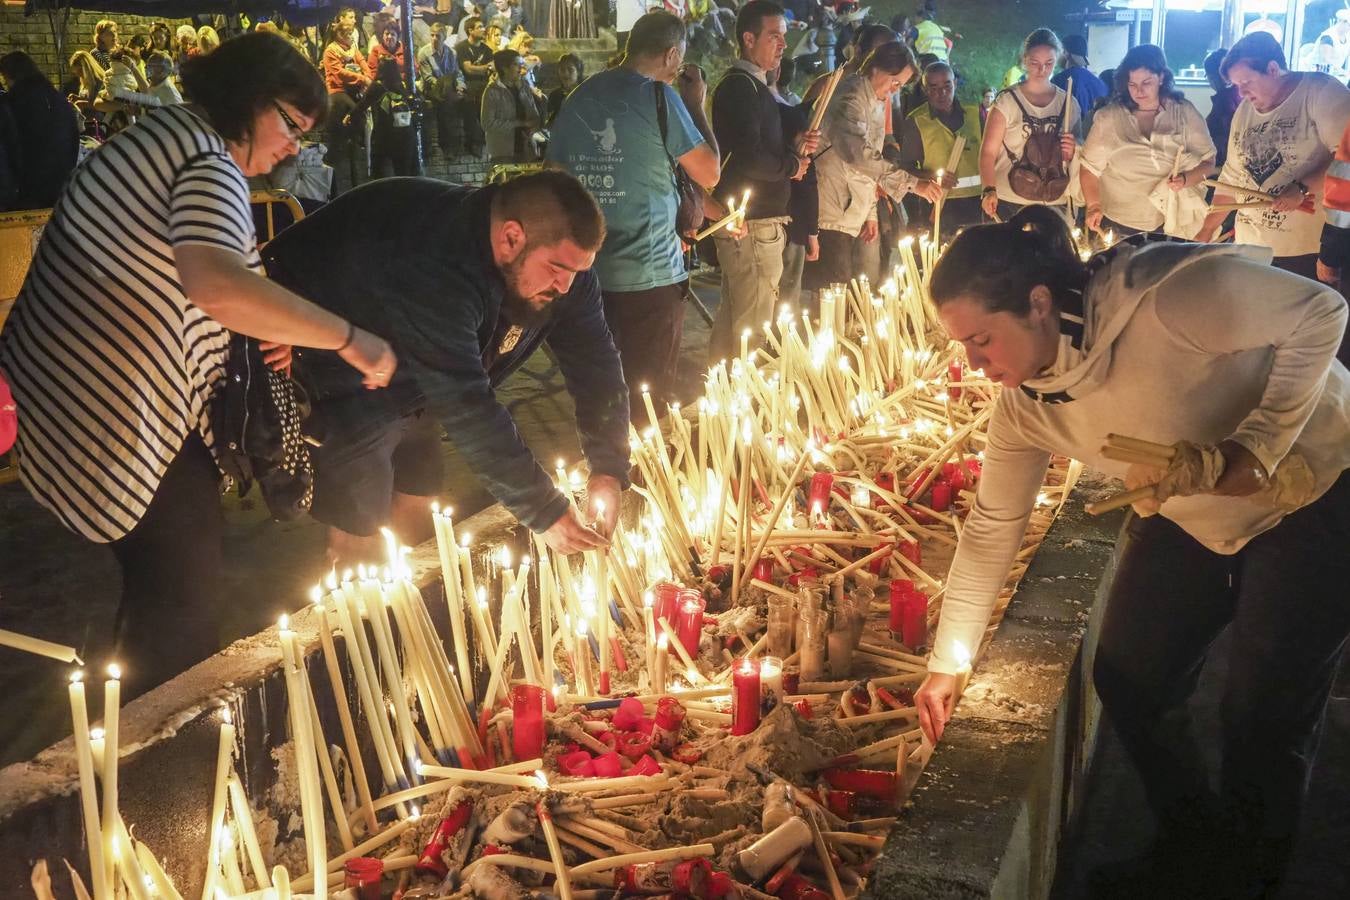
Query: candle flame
{"x":316,"y":595}
{"x":648,"y":601}
{"x":464,"y":540}
{"x":77,"y":676}
{"x":284,"y":623}
{"x":418,"y":766}
{"x":414,"y":812}
{"x":540,"y":777}
{"x":435,"y":508}
{"x":96,"y":734}
{"x":114,"y":671}
{"x":663,"y":641}
{"x":227,"y":715}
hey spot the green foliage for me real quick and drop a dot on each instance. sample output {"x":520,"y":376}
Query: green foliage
{"x":991,"y":32}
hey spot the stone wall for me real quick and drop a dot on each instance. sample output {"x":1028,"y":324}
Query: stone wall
{"x":34,"y":34}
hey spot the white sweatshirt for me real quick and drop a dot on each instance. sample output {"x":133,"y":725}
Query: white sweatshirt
{"x":1182,"y":342}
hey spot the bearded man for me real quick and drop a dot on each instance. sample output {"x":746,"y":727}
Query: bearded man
{"x":465,"y":285}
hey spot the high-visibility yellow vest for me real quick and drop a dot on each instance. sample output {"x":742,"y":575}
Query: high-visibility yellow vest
{"x":938,"y":140}
{"x":931,"y":40}
{"x":1336,"y":185}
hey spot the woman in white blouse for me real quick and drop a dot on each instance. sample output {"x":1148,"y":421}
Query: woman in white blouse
{"x":1148,"y":154}
{"x":1284,"y":135}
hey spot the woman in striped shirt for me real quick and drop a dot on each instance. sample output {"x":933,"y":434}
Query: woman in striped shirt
{"x":117,"y":341}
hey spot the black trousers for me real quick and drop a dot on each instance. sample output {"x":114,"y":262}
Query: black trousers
{"x":172,"y":562}
{"x":1284,"y":597}
{"x":648,"y":326}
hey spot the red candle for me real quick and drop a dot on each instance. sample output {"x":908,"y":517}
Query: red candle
{"x":628,"y":716}
{"x":669,"y":721}
{"x":689,"y":625}
{"x":914,"y":624}
{"x":876,"y":565}
{"x":634,"y":745}
{"x":911,"y":551}
{"x":955,"y":372}
{"x":645,"y":765}
{"x":818,"y":497}
{"x":578,"y":762}
{"x":919,"y":478}
{"x":764,"y":570}
{"x":900,"y":589}
{"x":942,"y":496}
{"x":608,"y":765}
{"x":527,"y":709}
{"x":796,"y":887}
{"x":955,"y":475}
{"x":364,"y":873}
{"x":868,"y":782}
{"x":745,"y":697}
{"x":431,"y":861}
{"x":885,"y":481}
{"x":667,"y":602}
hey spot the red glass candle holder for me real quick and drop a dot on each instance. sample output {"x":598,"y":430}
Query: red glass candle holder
{"x":912,"y":492}
{"x":669,"y":721}
{"x":900,"y":589}
{"x":912,"y":551}
{"x":885,"y":481}
{"x":876,"y":565}
{"x":764,"y":570}
{"x":818,"y":495}
{"x":955,"y":373}
{"x":914,"y":624}
{"x":364,"y":873}
{"x":667,"y":602}
{"x":941,"y":496}
{"x":634,"y":745}
{"x":689,"y":625}
{"x":867,"y":782}
{"x":527,"y":730}
{"x":797,"y":887}
{"x":745,"y":697}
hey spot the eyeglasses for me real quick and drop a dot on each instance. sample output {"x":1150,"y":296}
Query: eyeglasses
{"x":293,"y":127}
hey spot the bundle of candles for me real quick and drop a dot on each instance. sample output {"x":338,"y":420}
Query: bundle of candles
{"x":719,"y":703}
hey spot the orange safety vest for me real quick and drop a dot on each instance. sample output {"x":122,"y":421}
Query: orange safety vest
{"x":1336,"y":187}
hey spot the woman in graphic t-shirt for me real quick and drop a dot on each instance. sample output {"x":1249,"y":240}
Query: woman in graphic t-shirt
{"x":1284,"y":135}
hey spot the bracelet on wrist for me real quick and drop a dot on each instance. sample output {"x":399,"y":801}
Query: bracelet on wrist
{"x":989,"y":190}
{"x":351,"y":336}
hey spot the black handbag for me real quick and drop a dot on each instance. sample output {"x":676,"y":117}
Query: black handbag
{"x":258,"y":416}
{"x":689,"y":213}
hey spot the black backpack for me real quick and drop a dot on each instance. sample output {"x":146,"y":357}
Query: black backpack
{"x":258,"y":417}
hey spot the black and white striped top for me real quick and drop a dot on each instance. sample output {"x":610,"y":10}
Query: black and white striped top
{"x":111,"y":365}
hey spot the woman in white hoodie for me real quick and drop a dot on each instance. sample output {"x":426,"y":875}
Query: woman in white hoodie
{"x":1210,"y":348}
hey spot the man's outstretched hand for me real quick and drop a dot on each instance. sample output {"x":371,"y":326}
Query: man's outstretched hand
{"x":572,"y":535}
{"x":603,"y":496}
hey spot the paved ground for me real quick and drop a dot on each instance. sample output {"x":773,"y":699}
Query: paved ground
{"x":1114,"y":823}
{"x":56,"y":586}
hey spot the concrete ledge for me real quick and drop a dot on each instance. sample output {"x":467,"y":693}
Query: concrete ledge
{"x":986,"y":817}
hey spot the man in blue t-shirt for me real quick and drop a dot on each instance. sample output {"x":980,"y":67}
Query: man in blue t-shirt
{"x":609,"y":134}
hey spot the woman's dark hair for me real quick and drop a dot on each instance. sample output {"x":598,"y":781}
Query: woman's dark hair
{"x":17,"y":67}
{"x":1256,"y":51}
{"x":892,"y":58}
{"x":871,"y":36}
{"x":1151,"y":58}
{"x":390,"y":75}
{"x":1217,"y":83}
{"x":998,"y":265}
{"x":247,"y":74}
{"x":571,"y":59}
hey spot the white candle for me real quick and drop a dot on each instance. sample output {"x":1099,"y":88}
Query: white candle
{"x":84,"y":759}
{"x":662,"y":663}
{"x":38,"y":646}
{"x":224,"y":766}
{"x":771,"y":680}
{"x":112,"y":700}
{"x":311,"y":800}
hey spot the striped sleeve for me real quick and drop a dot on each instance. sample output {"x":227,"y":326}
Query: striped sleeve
{"x":209,"y":205}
